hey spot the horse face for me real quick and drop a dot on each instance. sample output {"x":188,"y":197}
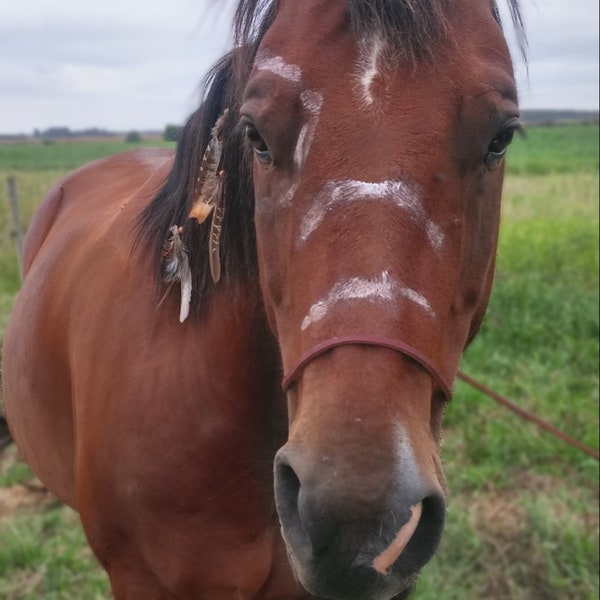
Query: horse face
{"x":377,"y":184}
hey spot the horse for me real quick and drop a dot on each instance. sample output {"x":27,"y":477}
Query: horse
{"x":233,"y":359}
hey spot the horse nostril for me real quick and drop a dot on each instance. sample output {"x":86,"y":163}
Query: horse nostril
{"x":308,"y":522}
{"x":287,"y":492}
{"x":415,"y":542}
{"x":425,"y":540}
{"x":288,"y":489}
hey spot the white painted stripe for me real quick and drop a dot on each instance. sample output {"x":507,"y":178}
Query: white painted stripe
{"x":338,"y":192}
{"x":287,"y":198}
{"x":312,"y":102}
{"x":368,"y":68}
{"x":382,"y":288}
{"x":435,"y":235}
{"x":301,"y":146}
{"x":416,"y":298}
{"x":278,"y":66}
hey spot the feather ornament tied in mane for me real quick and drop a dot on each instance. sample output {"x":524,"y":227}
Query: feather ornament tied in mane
{"x":207,"y":200}
{"x":177,"y":268}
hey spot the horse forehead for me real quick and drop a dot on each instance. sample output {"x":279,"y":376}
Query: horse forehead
{"x":309,"y":34}
{"x":309,"y":24}
{"x":373,"y":101}
{"x":312,"y":45}
{"x":313,"y":35}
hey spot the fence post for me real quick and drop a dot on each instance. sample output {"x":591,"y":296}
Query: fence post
{"x":17,"y":231}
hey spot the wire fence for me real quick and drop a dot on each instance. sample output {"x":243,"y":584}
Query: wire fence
{"x":16,"y":230}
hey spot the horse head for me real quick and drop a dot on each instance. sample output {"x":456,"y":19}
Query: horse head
{"x":365,"y":142}
{"x":377,"y":167}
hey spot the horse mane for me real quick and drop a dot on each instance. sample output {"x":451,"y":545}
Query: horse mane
{"x":414,"y":27}
{"x":173,"y":202}
{"x":411,"y":26}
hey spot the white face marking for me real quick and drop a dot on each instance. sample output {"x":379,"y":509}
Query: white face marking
{"x":416,"y":298}
{"x":278,"y":66}
{"x":403,"y":195}
{"x":300,"y":153}
{"x":287,"y":198}
{"x":312,"y":102}
{"x":380,"y":289}
{"x":337,"y":192}
{"x":435,"y":235}
{"x":409,"y":478}
{"x":409,"y":470}
{"x":368,"y":67}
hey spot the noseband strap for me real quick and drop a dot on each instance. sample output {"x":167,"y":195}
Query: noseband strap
{"x":368,"y":340}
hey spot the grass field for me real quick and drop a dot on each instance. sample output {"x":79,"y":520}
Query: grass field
{"x":523,"y":517}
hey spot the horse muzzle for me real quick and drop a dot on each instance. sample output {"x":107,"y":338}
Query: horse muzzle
{"x":347,"y":542}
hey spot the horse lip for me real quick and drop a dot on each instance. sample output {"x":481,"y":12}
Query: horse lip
{"x":307,"y":574}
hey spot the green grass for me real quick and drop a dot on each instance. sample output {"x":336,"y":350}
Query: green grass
{"x":515,"y":546}
{"x":14,"y":474}
{"x":523,"y":517}
{"x":561,"y":149}
{"x":44,"y":555}
{"x":63,"y":154}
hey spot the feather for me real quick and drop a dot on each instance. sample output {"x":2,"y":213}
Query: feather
{"x":207,"y":200}
{"x":177,"y":269}
{"x":186,"y":289}
{"x":208,"y":182}
{"x":214,"y":241}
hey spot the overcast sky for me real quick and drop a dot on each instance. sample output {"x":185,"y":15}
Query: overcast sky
{"x":136,"y":64}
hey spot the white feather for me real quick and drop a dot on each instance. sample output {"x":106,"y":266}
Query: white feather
{"x":185,"y":276}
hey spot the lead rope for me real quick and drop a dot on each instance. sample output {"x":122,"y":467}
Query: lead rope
{"x":527,"y":416}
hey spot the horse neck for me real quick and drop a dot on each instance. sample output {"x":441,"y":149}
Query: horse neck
{"x":244,"y":353}
{"x":236,"y":321}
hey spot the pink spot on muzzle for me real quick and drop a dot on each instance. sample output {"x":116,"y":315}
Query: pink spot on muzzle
{"x":389,"y":556}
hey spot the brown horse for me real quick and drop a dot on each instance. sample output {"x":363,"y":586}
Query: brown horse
{"x":282,"y":306}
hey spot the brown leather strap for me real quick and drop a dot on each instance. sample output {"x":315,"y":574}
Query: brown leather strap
{"x":368,"y":340}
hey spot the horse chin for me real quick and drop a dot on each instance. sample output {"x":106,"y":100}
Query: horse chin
{"x":359,"y":582}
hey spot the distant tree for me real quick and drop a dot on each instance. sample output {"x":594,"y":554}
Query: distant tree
{"x":172,"y":133}
{"x":95,"y":132}
{"x":57,"y":132}
{"x":133,"y":137}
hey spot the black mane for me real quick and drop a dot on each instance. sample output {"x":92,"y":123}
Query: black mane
{"x":173,"y":202}
{"x":412,"y":26}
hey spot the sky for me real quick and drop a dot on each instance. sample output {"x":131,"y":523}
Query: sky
{"x":137,"y":64}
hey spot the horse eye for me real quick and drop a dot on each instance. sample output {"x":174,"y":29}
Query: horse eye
{"x":259,"y":146}
{"x":499,"y":145}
